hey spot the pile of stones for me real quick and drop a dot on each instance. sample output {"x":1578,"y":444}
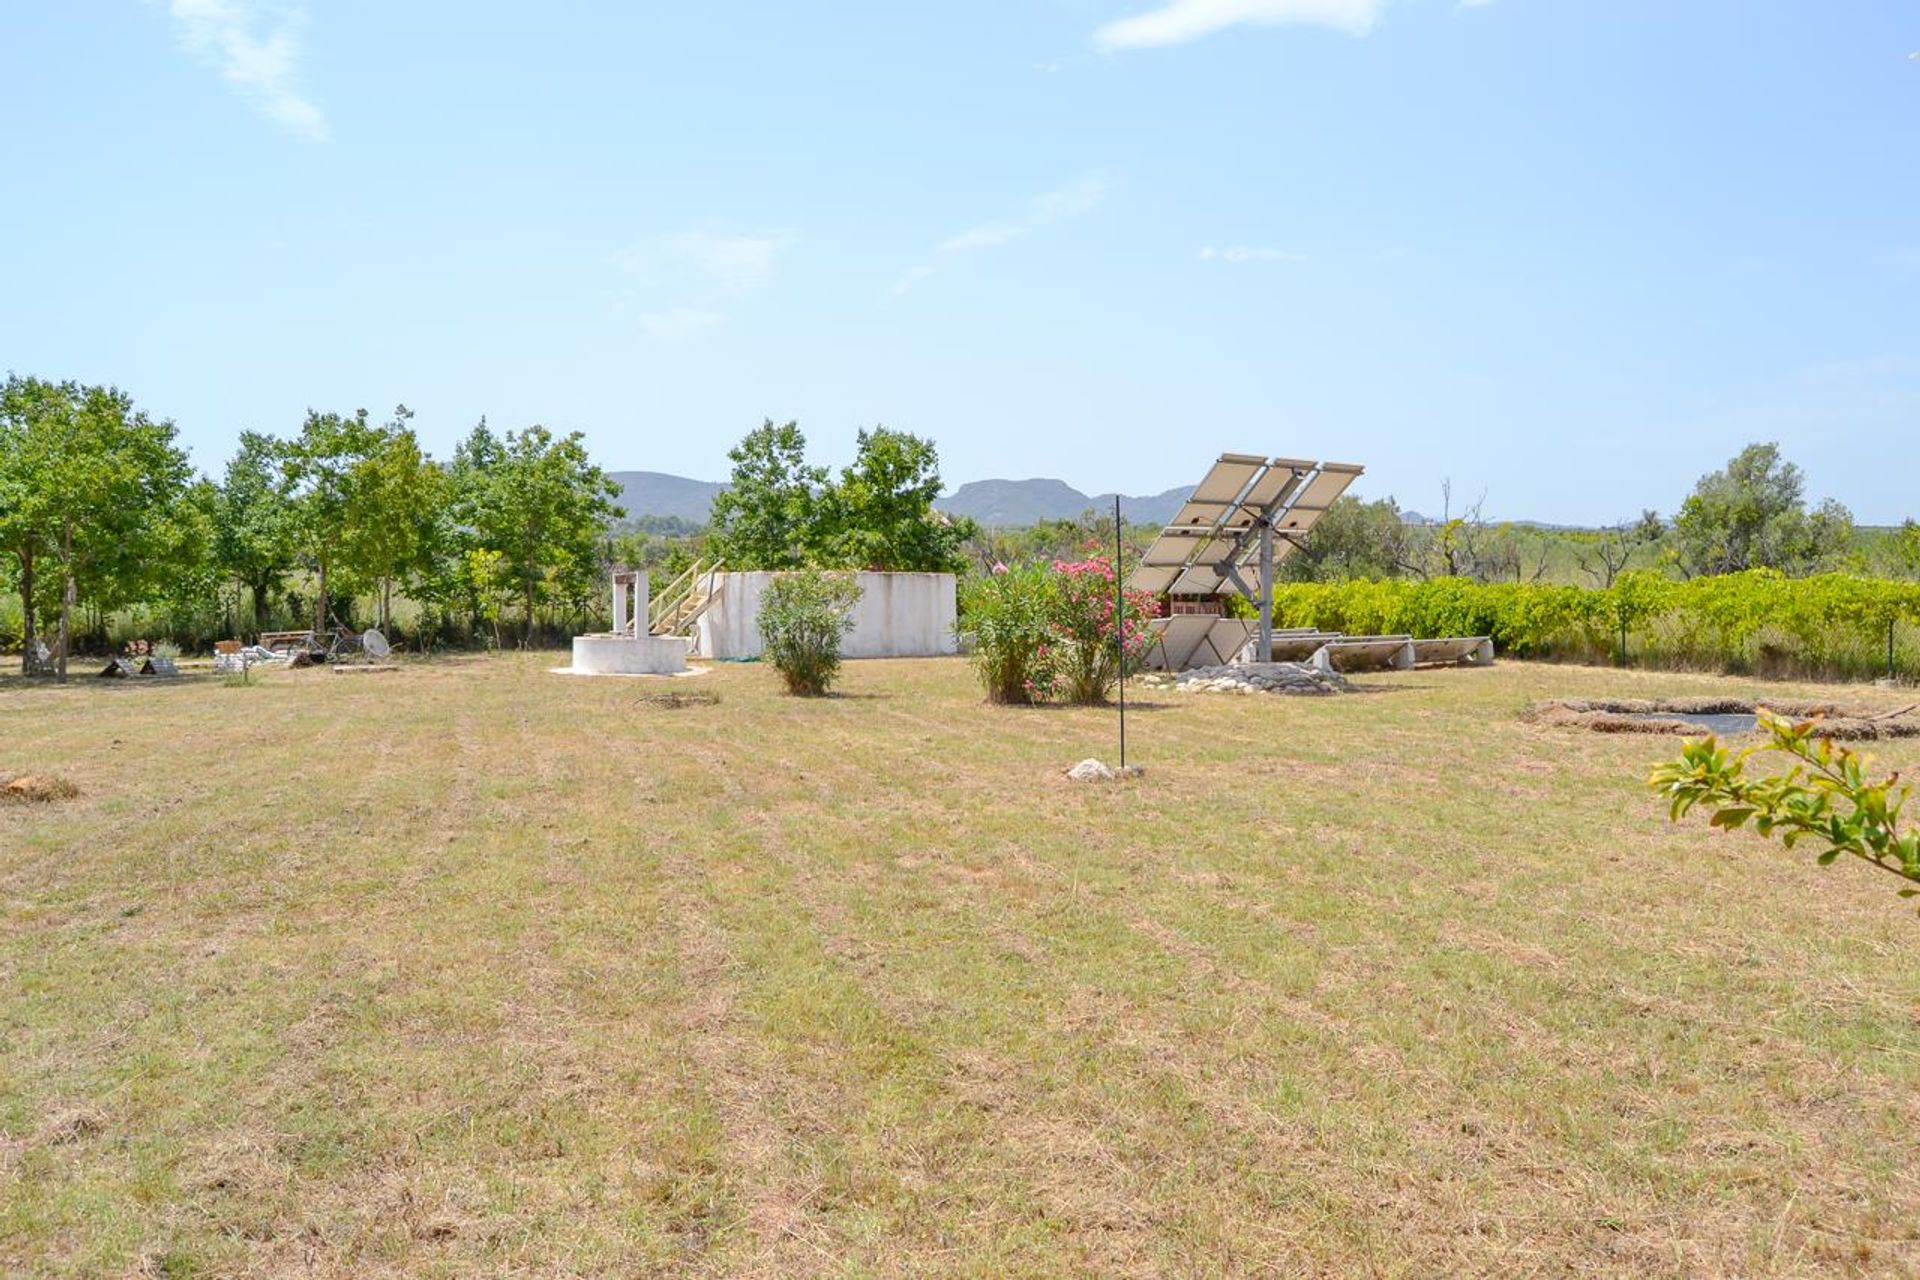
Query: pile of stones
{"x":1293,"y":678}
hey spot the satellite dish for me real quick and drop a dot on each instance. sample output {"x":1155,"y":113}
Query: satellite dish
{"x":376,"y":645}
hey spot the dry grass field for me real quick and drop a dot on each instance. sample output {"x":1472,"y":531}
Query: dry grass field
{"x":474,"y":970}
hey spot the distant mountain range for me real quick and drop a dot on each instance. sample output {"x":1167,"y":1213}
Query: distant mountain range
{"x":1000,"y":503}
{"x":1013,"y":503}
{"x":996,"y":503}
{"x":654,"y":493}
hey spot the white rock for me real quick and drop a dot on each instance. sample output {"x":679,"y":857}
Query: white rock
{"x":1090,"y":770}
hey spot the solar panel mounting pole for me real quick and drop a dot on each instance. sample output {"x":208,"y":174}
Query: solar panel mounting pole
{"x":1266,"y":589}
{"x":1120,"y":630}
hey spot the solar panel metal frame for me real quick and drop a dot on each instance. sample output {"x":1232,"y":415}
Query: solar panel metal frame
{"x":1226,"y":509}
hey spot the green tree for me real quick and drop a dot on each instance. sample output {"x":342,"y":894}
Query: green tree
{"x":255,"y":533}
{"x":395,"y":496}
{"x":768,"y":516}
{"x":322,"y":467}
{"x":98,"y":487}
{"x":1904,"y":553}
{"x":1354,"y":539}
{"x":25,"y":405}
{"x":541,"y":504}
{"x":1753,"y":515}
{"x":880,"y":514}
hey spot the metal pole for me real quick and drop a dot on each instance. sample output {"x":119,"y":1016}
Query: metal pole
{"x":1266,"y":590}
{"x":1120,"y":629}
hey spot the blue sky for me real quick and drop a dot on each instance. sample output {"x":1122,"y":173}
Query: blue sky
{"x":1565,"y":252}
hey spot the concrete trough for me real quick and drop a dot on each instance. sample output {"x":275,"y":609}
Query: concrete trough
{"x":1365,"y":653}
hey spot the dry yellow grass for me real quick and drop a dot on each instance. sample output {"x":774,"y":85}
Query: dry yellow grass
{"x":476,"y":970}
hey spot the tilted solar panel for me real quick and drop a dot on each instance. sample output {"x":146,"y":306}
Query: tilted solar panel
{"x":1220,"y":523}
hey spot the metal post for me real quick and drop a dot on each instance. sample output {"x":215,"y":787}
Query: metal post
{"x":1265,"y":650}
{"x":1120,"y":629}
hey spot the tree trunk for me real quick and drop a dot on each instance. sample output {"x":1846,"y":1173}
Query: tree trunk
{"x":320,"y":602}
{"x":527,"y":634}
{"x":66,"y":598}
{"x":259,"y":590}
{"x":30,"y":635}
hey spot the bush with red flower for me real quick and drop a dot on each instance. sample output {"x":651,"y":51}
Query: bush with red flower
{"x":1044,"y":634}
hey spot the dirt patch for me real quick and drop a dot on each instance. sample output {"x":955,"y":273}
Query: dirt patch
{"x":35,"y":788}
{"x":76,"y":1124}
{"x":1676,"y":716}
{"x":674,"y":699}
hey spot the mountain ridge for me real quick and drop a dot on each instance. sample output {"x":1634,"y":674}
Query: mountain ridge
{"x":996,"y":503}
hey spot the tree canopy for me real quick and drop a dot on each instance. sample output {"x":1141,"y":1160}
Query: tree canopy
{"x":768,"y":515}
{"x":779,"y":512}
{"x":1753,"y":515}
{"x":94,"y":487}
{"x":531,"y":510}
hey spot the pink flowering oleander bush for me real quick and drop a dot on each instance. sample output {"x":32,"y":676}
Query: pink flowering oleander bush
{"x":1047,"y":634}
{"x":1081,"y":658}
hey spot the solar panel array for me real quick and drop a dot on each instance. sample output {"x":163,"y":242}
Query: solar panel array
{"x":1220,"y":523}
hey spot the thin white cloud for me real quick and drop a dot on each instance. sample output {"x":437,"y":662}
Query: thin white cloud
{"x":685,"y":279}
{"x":1243,"y":253}
{"x":256,"y":48}
{"x":735,"y":263}
{"x":1181,"y":21}
{"x":1069,"y":200}
{"x":679,"y":322}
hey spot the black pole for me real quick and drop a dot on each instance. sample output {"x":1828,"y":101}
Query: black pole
{"x":1120,"y":629}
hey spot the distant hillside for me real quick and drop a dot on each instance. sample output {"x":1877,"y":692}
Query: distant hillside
{"x":1000,"y":503}
{"x":1013,"y":503}
{"x":654,"y":493}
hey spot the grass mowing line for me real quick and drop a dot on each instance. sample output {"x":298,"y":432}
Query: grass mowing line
{"x":808,"y":995}
{"x":1108,"y":1117}
{"x":865,"y":1021}
{"x":1374,"y":949}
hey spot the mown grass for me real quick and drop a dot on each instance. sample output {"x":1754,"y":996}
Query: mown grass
{"x":472,"y":969}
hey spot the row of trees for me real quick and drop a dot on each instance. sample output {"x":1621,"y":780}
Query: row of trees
{"x":100,"y":511}
{"x":360,"y":507}
{"x":781,"y":512}
{"x":1751,"y":514}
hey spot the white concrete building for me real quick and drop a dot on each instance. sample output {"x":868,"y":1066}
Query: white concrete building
{"x":898,"y":615}
{"x":628,"y":650}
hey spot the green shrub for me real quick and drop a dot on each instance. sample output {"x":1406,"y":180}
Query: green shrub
{"x":1004,"y":620}
{"x":1041,"y":634}
{"x":1827,"y":796}
{"x":1830,"y":626}
{"x":804,"y":616}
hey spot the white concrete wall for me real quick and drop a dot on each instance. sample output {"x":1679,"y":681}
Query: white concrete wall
{"x":610,"y":655}
{"x":899,"y":615}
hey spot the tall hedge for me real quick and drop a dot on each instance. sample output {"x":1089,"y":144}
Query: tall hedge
{"x":1833,"y":625}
